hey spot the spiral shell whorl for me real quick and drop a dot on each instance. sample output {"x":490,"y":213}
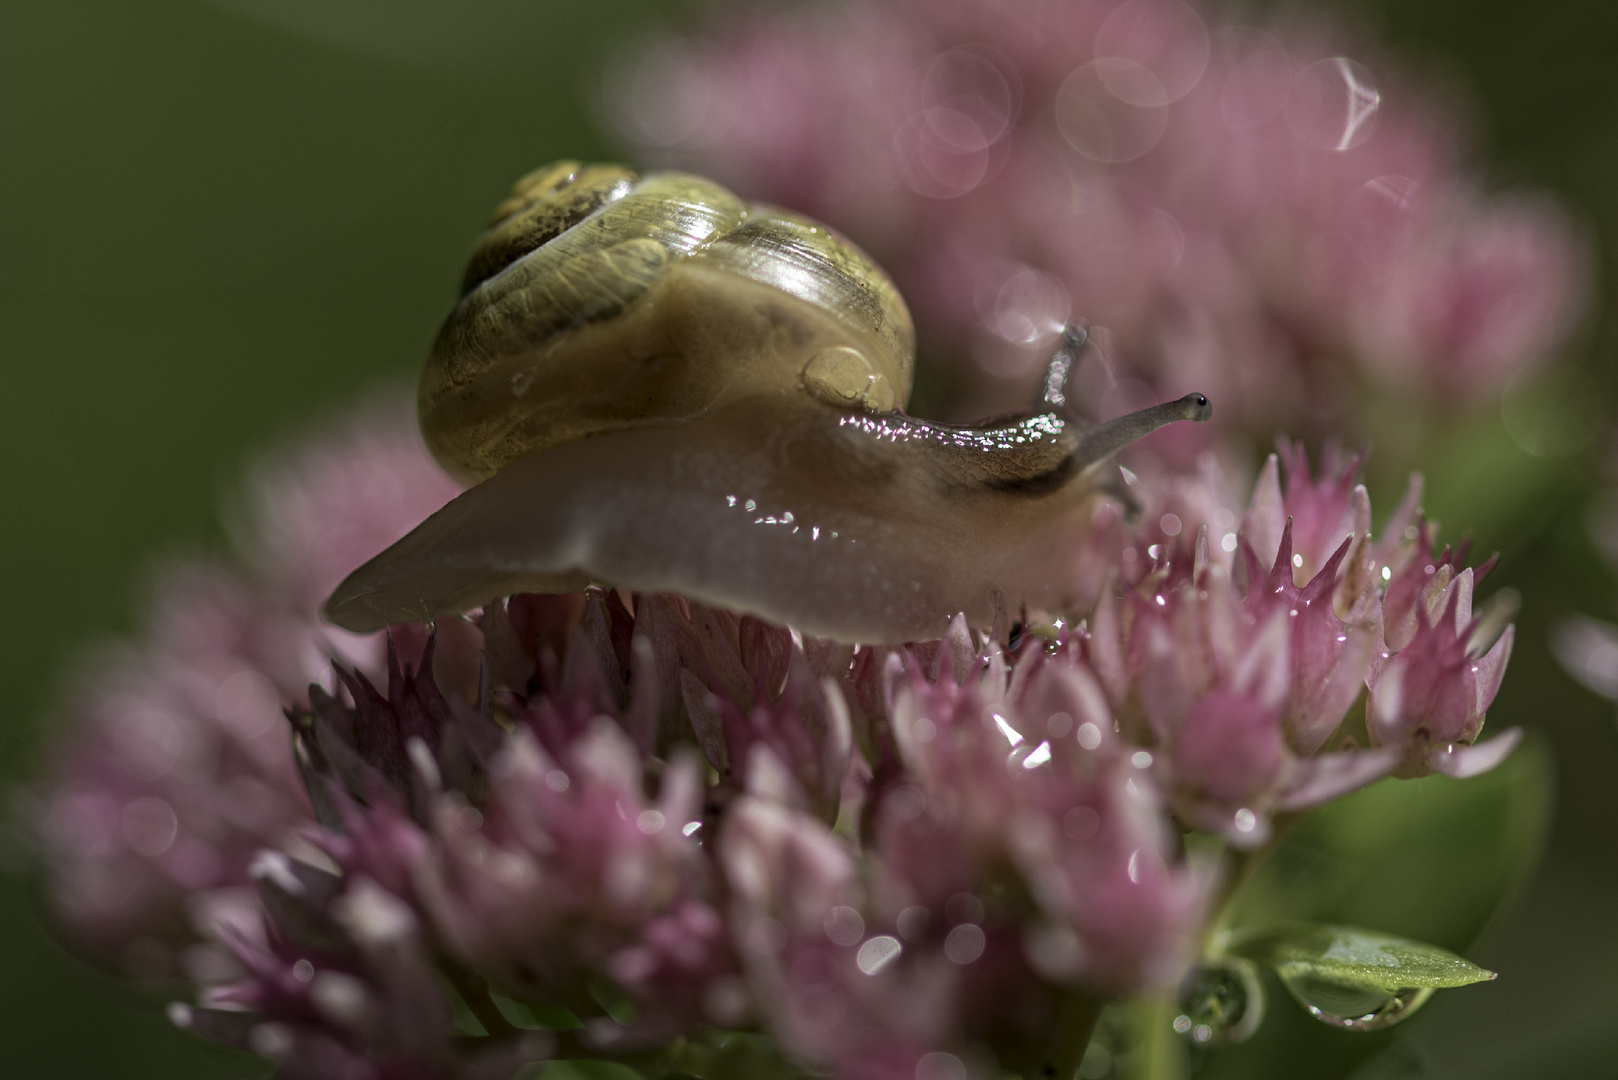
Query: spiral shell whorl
{"x":542,"y":205}
{"x":600,"y":299}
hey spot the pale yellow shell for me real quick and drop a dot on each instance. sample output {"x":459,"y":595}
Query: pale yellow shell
{"x":601,"y":300}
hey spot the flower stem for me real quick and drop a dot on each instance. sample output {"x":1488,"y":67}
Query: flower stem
{"x":1076,"y":1017}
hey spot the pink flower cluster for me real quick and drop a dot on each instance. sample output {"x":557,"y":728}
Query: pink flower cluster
{"x":1238,"y":668}
{"x":934,"y":893}
{"x":604,"y":825}
{"x":1246,"y":211}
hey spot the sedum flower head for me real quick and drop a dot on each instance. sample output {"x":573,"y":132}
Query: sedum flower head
{"x":642,"y":820}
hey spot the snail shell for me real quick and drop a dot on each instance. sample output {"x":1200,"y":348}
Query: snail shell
{"x":601,"y":300}
{"x":657,"y":386}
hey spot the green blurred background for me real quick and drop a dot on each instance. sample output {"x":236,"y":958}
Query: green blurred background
{"x":221,"y":220}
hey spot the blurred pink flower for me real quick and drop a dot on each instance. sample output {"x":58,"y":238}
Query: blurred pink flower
{"x":318,"y":509}
{"x":176,"y":769}
{"x":175,"y":772}
{"x":1248,"y":212}
{"x":341,"y":982}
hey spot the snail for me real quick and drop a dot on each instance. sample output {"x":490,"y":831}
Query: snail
{"x":657,"y":386}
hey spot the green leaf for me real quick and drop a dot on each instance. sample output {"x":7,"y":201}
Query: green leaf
{"x":1349,"y":954}
{"x":533,"y":1016}
{"x":1433,"y":860}
{"x":1356,"y":979}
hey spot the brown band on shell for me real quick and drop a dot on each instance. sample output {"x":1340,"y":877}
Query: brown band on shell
{"x":543,"y":205}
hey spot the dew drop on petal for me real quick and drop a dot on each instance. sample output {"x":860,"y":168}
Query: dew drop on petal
{"x":1040,"y":755}
{"x":1013,"y":736}
{"x":650,"y":822}
{"x":878,"y":953}
{"x":1089,"y":735}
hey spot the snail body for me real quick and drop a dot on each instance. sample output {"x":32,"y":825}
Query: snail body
{"x":658,"y":387}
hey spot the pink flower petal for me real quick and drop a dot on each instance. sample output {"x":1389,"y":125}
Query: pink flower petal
{"x":1462,"y":762}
